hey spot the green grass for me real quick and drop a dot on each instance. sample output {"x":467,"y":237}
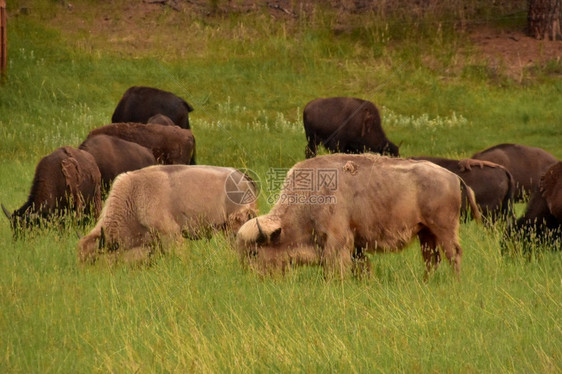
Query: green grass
{"x":197,"y":309}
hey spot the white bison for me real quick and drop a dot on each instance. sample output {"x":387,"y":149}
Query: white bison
{"x":335,"y":208}
{"x":157,"y":205}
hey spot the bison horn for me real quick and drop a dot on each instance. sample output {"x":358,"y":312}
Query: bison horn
{"x":262,"y":237}
{"x":6,"y":212}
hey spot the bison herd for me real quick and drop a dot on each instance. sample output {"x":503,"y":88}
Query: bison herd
{"x":332,"y":209}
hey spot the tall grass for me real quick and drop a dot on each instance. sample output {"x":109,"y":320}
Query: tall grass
{"x":197,"y":309}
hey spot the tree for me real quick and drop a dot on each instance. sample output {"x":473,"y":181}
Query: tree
{"x":3,"y":38}
{"x":544,"y":19}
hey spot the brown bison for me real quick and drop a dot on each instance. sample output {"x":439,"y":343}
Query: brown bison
{"x":68,"y":179}
{"x":543,"y":217}
{"x":345,"y":124}
{"x":114,"y":156}
{"x":335,"y":208}
{"x":161,"y":119}
{"x":138,"y":104}
{"x":168,"y":144}
{"x":159,"y":204}
{"x":492,"y":184}
{"x":526,"y":164}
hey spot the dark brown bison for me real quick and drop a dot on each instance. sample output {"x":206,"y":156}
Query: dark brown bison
{"x":335,"y":208}
{"x":161,"y":204}
{"x":114,"y":156}
{"x":345,"y":124}
{"x":543,"y":217}
{"x":492,"y":184}
{"x":168,"y":144}
{"x":68,"y":179}
{"x":526,"y":165}
{"x":138,"y":104}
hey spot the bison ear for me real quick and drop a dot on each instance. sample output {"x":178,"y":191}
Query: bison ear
{"x":275,"y":235}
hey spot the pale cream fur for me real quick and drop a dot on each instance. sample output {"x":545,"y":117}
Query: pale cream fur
{"x":159,"y":205}
{"x":381,"y":205}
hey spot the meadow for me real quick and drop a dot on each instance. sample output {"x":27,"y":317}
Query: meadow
{"x":248,"y":76}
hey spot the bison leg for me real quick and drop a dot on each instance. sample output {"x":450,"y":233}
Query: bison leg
{"x":443,"y":235}
{"x":137,"y":255}
{"x":361,"y":264}
{"x":430,"y":252}
{"x":165,"y":240}
{"x":337,"y":259}
{"x":311,"y":147}
{"x":453,"y":251}
{"x":165,"y":230}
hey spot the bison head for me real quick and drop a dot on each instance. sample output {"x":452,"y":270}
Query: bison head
{"x":88,"y":247}
{"x":266,"y":245}
{"x":22,"y":219}
{"x":93,"y":244}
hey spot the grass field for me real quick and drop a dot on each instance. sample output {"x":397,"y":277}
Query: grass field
{"x":197,"y":309}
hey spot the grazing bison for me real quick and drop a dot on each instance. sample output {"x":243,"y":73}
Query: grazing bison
{"x":114,"y":156}
{"x":345,"y":124}
{"x":492,"y":184}
{"x":68,"y":179}
{"x":543,"y":217}
{"x":159,"y":204}
{"x":526,"y":164}
{"x":138,"y":104}
{"x":335,"y":208}
{"x":168,"y":144}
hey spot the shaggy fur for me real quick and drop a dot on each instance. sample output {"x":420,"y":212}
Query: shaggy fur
{"x":139,"y":103}
{"x":380,"y":204}
{"x":493,"y":185}
{"x":67,"y":179}
{"x":542,"y":220}
{"x":168,"y":144}
{"x":157,"y":205}
{"x":526,"y":165}
{"x":345,"y":124}
{"x":115,"y":156}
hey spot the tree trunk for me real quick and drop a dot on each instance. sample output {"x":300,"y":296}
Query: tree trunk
{"x":3,"y":39}
{"x":544,"y":19}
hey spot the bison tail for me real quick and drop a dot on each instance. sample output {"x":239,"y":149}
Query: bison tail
{"x":508,"y":202}
{"x":476,"y":215}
